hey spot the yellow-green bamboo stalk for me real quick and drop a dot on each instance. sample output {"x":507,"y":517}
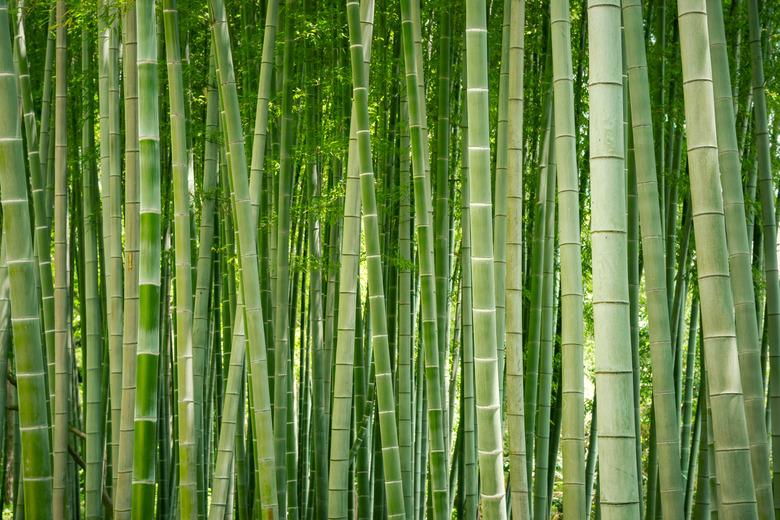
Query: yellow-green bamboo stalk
{"x":489,"y":431}
{"x":36,"y":470}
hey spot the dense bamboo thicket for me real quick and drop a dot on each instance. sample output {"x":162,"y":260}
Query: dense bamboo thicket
{"x":448,"y":259}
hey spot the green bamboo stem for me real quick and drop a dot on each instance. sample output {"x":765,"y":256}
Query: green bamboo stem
{"x":204,"y":271}
{"x":221,"y":478}
{"x":687,"y":409}
{"x":61,"y":314}
{"x":92,"y":308}
{"x":537,"y":252}
{"x":188,"y":429}
{"x":45,"y":142}
{"x":486,"y":375}
{"x":149,"y":274}
{"x":36,"y":467}
{"x":265,"y":457}
{"x":112,"y":222}
{"x":425,"y":245}
{"x":736,"y":493}
{"x":405,"y":316}
{"x":633,"y":265}
{"x":740,"y":262}
{"x":573,"y":379}
{"x":379,"y":340}
{"x":441,"y":220}
{"x":42,"y":238}
{"x":769,"y":232}
{"x":282,"y":267}
{"x":651,"y":228}
{"x":500,"y":203}
{"x":618,"y":487}
{"x":547,"y":290}
{"x":124,"y":463}
{"x":344,"y":356}
{"x":515,"y":411}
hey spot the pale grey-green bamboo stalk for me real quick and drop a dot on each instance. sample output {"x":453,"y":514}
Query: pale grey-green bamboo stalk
{"x":618,"y":490}
{"x":515,"y":410}
{"x":651,"y":228}
{"x":573,"y":378}
{"x":740,"y":259}
{"x":769,"y":231}
{"x":732,"y":454}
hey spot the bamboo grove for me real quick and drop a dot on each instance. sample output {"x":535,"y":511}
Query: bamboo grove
{"x":356,"y":259}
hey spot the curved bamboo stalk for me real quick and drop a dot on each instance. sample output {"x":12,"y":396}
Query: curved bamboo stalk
{"x":340,"y":430}
{"x":42,"y":237}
